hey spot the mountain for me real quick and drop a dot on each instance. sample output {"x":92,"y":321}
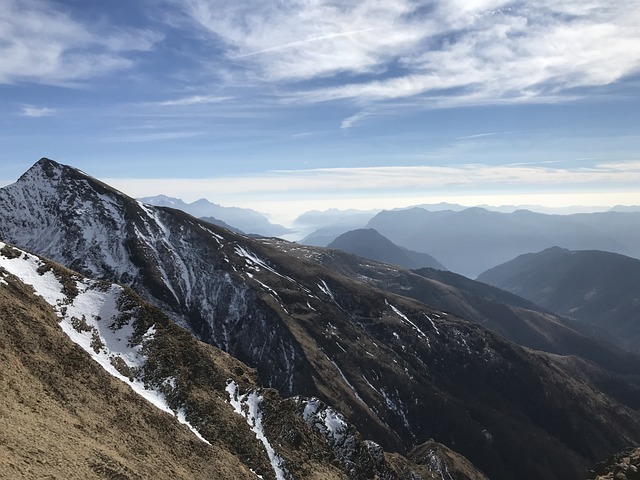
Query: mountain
{"x":594,"y":287}
{"x":473,"y":240}
{"x":402,"y":372}
{"x":98,"y":384}
{"x":243,"y":219}
{"x":319,"y":228}
{"x":370,"y":244}
{"x":512,"y":317}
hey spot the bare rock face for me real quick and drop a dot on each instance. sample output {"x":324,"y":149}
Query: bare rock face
{"x":621,"y":466}
{"x":398,"y":370}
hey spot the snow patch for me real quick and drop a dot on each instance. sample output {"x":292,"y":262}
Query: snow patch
{"x":248,"y":405}
{"x":91,"y":319}
{"x":406,"y":320}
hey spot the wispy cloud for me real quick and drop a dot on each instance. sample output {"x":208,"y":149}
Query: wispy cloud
{"x":35,"y":112}
{"x":442,"y":53}
{"x":153,"y":137}
{"x":415,"y":178}
{"x":39,"y":43}
{"x":481,"y":135}
{"x":189,"y":101}
{"x":302,"y":42}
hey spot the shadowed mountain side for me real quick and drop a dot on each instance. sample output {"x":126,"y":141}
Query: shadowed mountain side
{"x":368,"y":243}
{"x":509,"y":315}
{"x":64,"y":415}
{"x":596,"y":288}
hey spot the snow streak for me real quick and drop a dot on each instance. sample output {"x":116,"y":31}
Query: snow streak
{"x":248,"y":405}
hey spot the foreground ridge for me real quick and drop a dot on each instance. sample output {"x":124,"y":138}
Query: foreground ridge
{"x":187,"y":381}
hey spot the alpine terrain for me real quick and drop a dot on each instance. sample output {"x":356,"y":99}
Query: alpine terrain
{"x":400,"y":370}
{"x":594,"y":287}
{"x":99,"y":384}
{"x":368,"y":243}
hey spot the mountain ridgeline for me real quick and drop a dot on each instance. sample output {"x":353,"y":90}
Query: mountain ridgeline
{"x":233,"y":218}
{"x":99,"y":384}
{"x":594,"y":287}
{"x":475,"y":239}
{"x":370,"y":244}
{"x":398,"y":369}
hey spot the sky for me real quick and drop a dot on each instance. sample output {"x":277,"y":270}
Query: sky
{"x":288,"y":106}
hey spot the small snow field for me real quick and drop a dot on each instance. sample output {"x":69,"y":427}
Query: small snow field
{"x":91,"y":318}
{"x":248,"y":405}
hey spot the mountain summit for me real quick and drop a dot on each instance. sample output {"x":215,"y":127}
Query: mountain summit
{"x":368,"y":243}
{"x":401,"y":371}
{"x":594,"y":287}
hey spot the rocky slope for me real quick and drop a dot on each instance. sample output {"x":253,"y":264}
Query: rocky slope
{"x":593,"y":287}
{"x":368,"y":243}
{"x":621,"y":466}
{"x":400,"y":371}
{"x":98,"y":384}
{"x":504,"y":313}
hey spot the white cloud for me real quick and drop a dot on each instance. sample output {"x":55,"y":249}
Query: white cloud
{"x":189,"y":101}
{"x":441,"y":53}
{"x":42,"y":45}
{"x":35,"y":112}
{"x":400,"y":179}
{"x":153,"y":137}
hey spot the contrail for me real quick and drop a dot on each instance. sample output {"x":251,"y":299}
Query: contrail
{"x":302,"y":42}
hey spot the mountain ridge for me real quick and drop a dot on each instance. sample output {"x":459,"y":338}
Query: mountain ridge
{"x":242,"y":219}
{"x":402,"y":372}
{"x":594,"y":287}
{"x":202,"y":387}
{"x":368,"y":243}
{"x":475,"y":239}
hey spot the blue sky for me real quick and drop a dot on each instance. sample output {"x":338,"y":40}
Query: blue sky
{"x":288,"y":106}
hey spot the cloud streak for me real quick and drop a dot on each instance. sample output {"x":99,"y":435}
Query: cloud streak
{"x":383,"y":180}
{"x":42,"y":45}
{"x":37,"y":112}
{"x":435,"y":53}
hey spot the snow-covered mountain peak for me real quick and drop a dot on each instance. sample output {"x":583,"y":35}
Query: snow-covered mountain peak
{"x":43,"y":167}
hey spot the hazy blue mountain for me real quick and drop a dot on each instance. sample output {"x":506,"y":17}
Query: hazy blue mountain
{"x":594,"y":287}
{"x":319,"y":228}
{"x":474,"y":240}
{"x":242,"y":219}
{"x":370,"y":244}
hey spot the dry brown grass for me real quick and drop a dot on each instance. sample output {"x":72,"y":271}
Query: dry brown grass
{"x":62,"y":416}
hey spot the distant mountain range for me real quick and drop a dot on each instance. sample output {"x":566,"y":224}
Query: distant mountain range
{"x":370,"y":244}
{"x":597,"y":288}
{"x":243,"y":219}
{"x":348,"y":349}
{"x":473,"y":240}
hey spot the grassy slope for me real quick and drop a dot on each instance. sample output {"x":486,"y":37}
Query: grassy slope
{"x":62,"y":416}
